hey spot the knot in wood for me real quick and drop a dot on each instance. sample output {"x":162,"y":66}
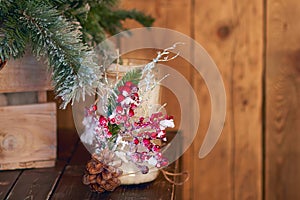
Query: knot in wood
{"x":224,"y":31}
{"x":9,"y":143}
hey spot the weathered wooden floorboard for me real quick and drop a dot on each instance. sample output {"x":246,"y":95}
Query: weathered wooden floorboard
{"x":7,"y":180}
{"x":36,"y":183}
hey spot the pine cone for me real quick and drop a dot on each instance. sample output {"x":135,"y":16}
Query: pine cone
{"x":102,"y":172}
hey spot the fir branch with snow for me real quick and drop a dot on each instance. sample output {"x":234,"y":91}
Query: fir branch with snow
{"x":62,"y":31}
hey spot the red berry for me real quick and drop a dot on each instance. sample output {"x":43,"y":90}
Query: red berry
{"x":135,"y":96}
{"x":133,"y":106}
{"x":120,"y":98}
{"x":113,"y":120}
{"x":136,"y":141}
{"x":120,"y":88}
{"x":170,"y":117}
{"x":119,"y":109}
{"x":135,"y":157}
{"x":94,"y":107}
{"x":109,"y":134}
{"x":127,"y":124}
{"x":128,"y":83}
{"x":156,"y":148}
{"x":164,"y":162}
{"x":150,"y":146}
{"x":131,"y":112}
{"x":102,"y":120}
{"x":153,"y":135}
{"x":126,"y":89}
{"x":146,"y":141}
{"x":144,"y":156}
{"x":124,"y":118}
{"x":159,"y":156}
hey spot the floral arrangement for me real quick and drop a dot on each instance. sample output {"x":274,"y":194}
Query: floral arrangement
{"x":123,"y":126}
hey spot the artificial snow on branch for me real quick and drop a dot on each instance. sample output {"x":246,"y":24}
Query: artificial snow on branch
{"x":62,"y":31}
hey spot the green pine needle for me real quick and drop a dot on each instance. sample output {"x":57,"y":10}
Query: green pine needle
{"x":74,"y":72}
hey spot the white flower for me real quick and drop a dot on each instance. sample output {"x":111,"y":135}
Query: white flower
{"x":125,"y":93}
{"x":166,"y":123}
{"x":152,"y":161}
{"x":127,"y":101}
{"x":88,"y":135}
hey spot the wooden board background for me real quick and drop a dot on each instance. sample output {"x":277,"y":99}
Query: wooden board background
{"x":256,"y":47}
{"x":282,"y":100}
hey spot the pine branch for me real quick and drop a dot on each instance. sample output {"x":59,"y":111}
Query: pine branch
{"x":74,"y":73}
{"x":53,"y":27}
{"x":12,"y":37}
{"x":115,"y":25}
{"x":97,"y":18}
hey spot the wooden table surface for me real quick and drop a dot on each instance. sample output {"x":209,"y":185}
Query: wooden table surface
{"x":64,"y":181}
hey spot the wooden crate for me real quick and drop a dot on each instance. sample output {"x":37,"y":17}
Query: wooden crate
{"x":27,"y":121}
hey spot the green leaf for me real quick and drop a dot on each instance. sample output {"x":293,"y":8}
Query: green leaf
{"x":114,"y":129}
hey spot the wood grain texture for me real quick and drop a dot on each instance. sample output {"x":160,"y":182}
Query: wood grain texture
{"x":42,"y":96}
{"x":7,"y":179}
{"x":232,"y":33}
{"x":214,"y":180}
{"x":21,"y":98}
{"x":282,"y":100}
{"x":36,"y":183}
{"x":24,"y":75}
{"x":39,"y":183}
{"x":30,"y":131}
{"x":3,"y":100}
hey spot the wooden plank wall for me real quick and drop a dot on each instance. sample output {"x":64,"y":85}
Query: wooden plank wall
{"x":282,"y":100}
{"x":232,"y":32}
{"x":256,"y":47}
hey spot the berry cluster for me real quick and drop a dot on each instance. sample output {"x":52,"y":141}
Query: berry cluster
{"x":141,"y":137}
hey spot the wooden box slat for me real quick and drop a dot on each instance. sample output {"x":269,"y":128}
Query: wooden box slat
{"x":24,"y":75}
{"x":27,"y":136}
